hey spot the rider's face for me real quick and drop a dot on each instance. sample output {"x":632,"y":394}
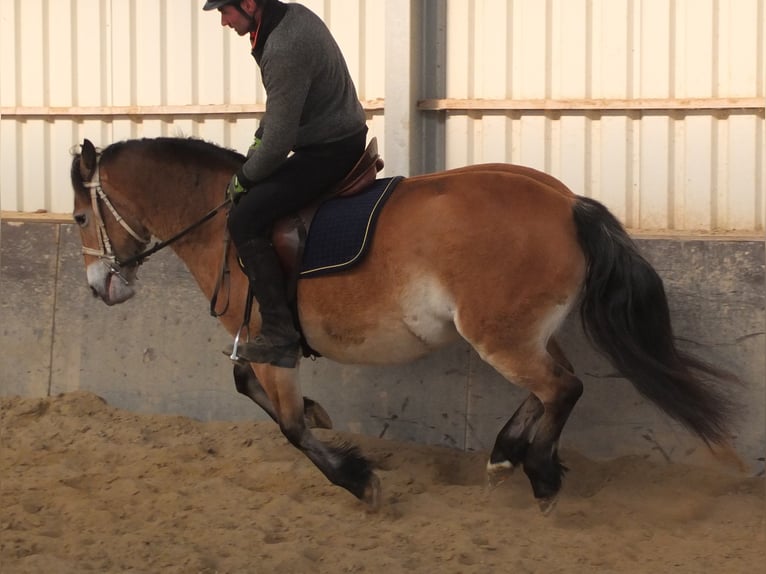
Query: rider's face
{"x":234,"y":19}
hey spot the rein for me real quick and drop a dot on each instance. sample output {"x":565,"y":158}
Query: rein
{"x":144,"y":255}
{"x":106,"y":252}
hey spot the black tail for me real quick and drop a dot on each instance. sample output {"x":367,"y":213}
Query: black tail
{"x":625,"y":314}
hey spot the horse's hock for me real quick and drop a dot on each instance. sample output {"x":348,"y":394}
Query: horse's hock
{"x":160,"y":353}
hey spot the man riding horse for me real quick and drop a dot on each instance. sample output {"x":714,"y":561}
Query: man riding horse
{"x":313,"y":111}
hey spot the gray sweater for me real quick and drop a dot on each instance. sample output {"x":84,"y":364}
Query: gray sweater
{"x":310,"y":97}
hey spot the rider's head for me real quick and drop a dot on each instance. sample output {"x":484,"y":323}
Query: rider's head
{"x":241,"y":15}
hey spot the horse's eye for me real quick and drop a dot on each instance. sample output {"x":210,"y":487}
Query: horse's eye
{"x":80,"y":219}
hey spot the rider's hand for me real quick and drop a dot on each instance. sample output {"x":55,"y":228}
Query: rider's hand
{"x":253,"y":146}
{"x":236,"y":190}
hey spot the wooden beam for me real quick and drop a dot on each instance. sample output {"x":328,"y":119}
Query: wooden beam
{"x":35,"y":217}
{"x":222,"y":110}
{"x":640,"y":104}
{"x":378,"y":105}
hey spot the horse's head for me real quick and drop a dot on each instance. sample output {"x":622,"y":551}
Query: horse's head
{"x":110,"y":242}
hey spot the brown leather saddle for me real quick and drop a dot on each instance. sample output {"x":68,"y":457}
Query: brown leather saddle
{"x":289,"y":235}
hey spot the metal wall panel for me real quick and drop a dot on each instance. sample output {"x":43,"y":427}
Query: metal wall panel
{"x":685,"y":168}
{"x":118,"y":55}
{"x":682,"y":167}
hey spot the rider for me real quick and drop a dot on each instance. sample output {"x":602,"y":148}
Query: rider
{"x":312,"y":110}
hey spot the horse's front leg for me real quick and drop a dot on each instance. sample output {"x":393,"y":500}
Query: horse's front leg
{"x":343,"y":465}
{"x":247,"y":384}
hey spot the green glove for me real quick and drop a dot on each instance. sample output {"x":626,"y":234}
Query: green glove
{"x":253,"y":146}
{"x":236,"y":190}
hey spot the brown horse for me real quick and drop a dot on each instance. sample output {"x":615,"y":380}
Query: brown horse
{"x":495,"y":254}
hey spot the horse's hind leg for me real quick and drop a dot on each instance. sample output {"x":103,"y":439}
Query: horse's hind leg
{"x":532,"y":434}
{"x":542,"y":464}
{"x":557,"y":353}
{"x":513,"y":440}
{"x":342,"y":465}
{"x":247,"y":384}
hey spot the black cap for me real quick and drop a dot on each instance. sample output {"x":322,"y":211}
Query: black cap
{"x":215,"y":4}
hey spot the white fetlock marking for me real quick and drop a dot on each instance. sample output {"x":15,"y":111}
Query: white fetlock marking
{"x":499,"y":467}
{"x":498,"y":472}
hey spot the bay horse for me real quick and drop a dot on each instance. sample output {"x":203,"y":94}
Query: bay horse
{"x":497,"y":255}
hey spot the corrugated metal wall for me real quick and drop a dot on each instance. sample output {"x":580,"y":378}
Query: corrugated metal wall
{"x":571,"y":65}
{"x":653,"y":106}
{"x":115,"y":69}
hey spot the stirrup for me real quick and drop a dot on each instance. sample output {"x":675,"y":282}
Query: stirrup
{"x":233,"y":350}
{"x":245,"y":326}
{"x":259,"y":351}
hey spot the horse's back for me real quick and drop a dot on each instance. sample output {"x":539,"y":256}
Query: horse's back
{"x":508,"y":169}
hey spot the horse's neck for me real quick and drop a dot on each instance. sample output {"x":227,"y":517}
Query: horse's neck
{"x":170,"y":209}
{"x":203,"y":252}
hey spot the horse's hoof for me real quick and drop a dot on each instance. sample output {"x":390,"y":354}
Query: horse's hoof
{"x":316,"y":416}
{"x":372,"y":494}
{"x":499,"y":472}
{"x":548,"y":504}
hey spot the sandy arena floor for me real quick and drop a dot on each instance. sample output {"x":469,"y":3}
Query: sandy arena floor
{"x":89,"y":488}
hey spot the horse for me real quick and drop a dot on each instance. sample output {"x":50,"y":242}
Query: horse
{"x":495,"y":254}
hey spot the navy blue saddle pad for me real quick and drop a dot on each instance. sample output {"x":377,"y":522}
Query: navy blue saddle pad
{"x":342,"y":229}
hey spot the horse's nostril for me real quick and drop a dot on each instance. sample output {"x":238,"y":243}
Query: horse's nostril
{"x":94,"y":292}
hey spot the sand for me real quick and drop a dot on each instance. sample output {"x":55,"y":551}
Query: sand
{"x":90,"y":488}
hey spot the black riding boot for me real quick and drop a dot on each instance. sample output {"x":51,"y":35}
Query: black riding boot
{"x":278,"y":341}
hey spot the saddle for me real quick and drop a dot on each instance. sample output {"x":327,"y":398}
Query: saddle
{"x":289,"y":233}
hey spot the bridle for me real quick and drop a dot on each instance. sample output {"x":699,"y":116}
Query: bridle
{"x":105,"y":252}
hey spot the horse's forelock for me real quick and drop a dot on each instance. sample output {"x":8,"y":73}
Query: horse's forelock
{"x":76,"y":176}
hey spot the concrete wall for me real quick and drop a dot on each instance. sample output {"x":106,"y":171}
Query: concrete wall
{"x":160,"y":353}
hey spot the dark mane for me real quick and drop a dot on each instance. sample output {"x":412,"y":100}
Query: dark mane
{"x":189,"y":151}
{"x":178,"y":149}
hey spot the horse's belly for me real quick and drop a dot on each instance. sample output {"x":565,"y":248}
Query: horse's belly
{"x":384,"y":344}
{"x":418,"y":321}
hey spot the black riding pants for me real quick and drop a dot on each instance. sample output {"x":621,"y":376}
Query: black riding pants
{"x":304,"y":177}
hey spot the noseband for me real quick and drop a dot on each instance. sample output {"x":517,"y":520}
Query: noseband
{"x":105,"y":252}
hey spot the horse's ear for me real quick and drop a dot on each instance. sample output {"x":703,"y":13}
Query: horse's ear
{"x":87,"y":160}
